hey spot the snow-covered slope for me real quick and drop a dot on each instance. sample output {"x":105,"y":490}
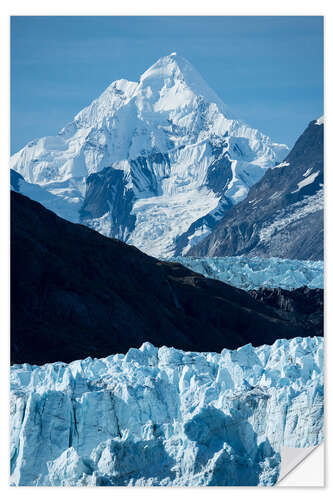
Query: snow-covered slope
{"x":66,"y":202}
{"x":252,"y":273}
{"x":166,"y":417}
{"x":167,"y":144}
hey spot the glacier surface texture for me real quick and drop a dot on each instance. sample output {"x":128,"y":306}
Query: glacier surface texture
{"x":166,"y":417}
{"x":253,"y":273}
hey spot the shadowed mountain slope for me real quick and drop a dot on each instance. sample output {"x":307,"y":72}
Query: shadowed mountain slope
{"x":76,"y":293}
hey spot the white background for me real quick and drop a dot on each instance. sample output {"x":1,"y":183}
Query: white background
{"x":145,"y":7}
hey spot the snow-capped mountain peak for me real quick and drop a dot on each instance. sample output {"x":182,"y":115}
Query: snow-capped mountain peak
{"x":171,"y":85}
{"x":170,"y":158}
{"x":178,"y":82}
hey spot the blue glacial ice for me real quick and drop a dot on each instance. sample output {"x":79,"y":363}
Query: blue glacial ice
{"x":166,"y":417}
{"x":253,"y":273}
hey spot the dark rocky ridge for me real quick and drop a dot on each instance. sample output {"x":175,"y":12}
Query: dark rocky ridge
{"x":277,"y":197}
{"x":76,"y":293}
{"x":301,"y":306}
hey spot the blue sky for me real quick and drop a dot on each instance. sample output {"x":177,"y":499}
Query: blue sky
{"x":268,"y":70}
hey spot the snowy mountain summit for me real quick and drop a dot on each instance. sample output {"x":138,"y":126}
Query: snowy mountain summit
{"x":155,"y":163}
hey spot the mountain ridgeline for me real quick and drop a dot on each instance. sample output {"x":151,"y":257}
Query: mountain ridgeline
{"x":283,"y":214}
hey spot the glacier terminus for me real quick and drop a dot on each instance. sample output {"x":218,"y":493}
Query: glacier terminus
{"x":166,"y":417}
{"x":253,"y":273}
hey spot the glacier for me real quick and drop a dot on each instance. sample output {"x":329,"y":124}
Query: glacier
{"x":167,"y":143}
{"x":256,"y":272}
{"x":165,"y":417}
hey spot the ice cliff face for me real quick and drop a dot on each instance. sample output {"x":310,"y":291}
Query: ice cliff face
{"x":162,"y":159}
{"x":253,"y":273}
{"x":166,"y":417}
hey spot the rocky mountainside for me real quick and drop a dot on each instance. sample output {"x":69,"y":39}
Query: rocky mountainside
{"x":155,"y":163}
{"x":282,"y":216}
{"x":76,"y":293}
{"x":303,"y":305}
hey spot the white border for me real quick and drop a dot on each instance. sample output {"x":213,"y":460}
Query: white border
{"x":171,"y":7}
